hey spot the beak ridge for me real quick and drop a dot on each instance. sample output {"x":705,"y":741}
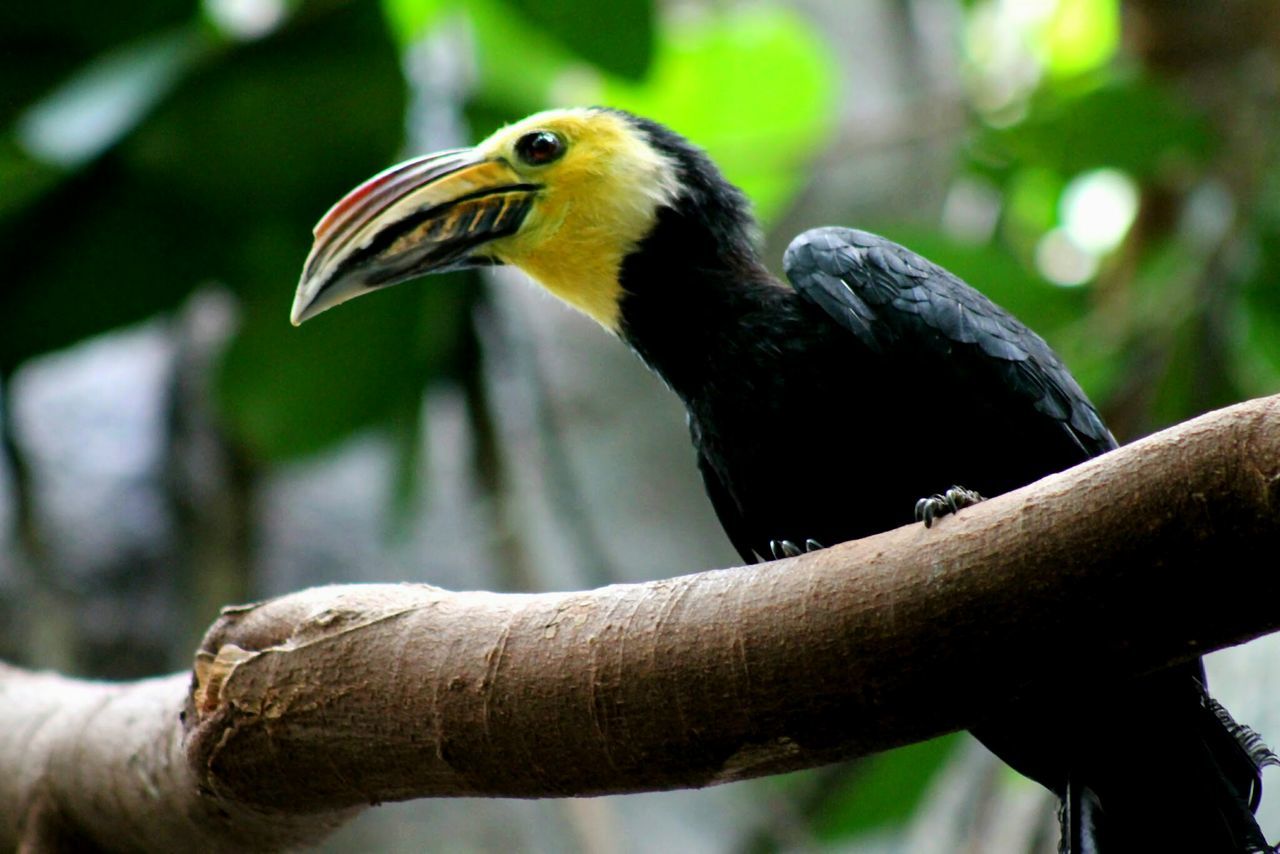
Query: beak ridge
{"x":421,"y":216}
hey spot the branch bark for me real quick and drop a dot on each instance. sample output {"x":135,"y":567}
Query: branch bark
{"x":306,"y":708}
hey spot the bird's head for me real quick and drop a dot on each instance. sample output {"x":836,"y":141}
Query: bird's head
{"x":564,"y":195}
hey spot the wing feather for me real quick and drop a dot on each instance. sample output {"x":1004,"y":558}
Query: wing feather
{"x":888,"y":296}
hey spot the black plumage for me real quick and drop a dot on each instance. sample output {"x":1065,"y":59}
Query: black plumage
{"x":823,"y":411}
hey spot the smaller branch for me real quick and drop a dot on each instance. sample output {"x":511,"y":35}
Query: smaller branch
{"x":307,"y":707}
{"x":99,"y":766}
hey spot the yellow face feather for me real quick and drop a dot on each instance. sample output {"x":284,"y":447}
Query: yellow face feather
{"x":599,"y":200}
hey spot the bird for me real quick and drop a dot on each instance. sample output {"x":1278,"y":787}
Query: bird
{"x":869,"y":390}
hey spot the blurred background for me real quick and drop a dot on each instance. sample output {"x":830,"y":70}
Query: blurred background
{"x":1107,"y":170}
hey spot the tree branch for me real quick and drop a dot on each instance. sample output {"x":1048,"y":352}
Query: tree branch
{"x":307,"y":707}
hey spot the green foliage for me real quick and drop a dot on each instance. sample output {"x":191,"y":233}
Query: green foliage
{"x":616,"y":37}
{"x":47,"y":42}
{"x":1260,"y":335}
{"x":711,"y":76}
{"x":884,"y":792}
{"x":1080,"y":36}
{"x":1133,"y":125}
{"x":212,"y":162}
{"x":93,"y":255}
{"x":1185,"y":315}
{"x":277,"y":128}
{"x":24,"y":180}
{"x":107,"y":98}
{"x":341,"y":371}
{"x":1031,"y":200}
{"x":409,"y":20}
{"x":518,"y":64}
{"x":706,"y":73}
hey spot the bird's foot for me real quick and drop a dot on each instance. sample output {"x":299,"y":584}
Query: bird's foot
{"x":786,"y":548}
{"x":953,"y":500}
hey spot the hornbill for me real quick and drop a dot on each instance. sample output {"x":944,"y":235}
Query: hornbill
{"x":821,"y":410}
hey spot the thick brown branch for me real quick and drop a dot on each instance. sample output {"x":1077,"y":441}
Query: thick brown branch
{"x":311,"y":705}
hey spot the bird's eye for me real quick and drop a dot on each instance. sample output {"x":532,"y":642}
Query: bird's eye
{"x":539,"y":148}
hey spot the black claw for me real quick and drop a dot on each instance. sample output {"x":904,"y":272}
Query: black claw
{"x":927,"y":509}
{"x":959,"y":498}
{"x":953,"y":500}
{"x":783,"y":548}
{"x":813,"y":546}
{"x":922,"y":507}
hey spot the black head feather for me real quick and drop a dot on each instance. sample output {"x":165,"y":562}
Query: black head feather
{"x":706,"y":201}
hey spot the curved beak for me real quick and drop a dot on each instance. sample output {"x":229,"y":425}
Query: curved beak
{"x":426,"y":215}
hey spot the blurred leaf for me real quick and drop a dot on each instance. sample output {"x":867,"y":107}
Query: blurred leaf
{"x":1260,"y":342}
{"x":1175,"y":391}
{"x":97,"y":253}
{"x":281,"y":127}
{"x":1031,"y":200}
{"x":325,"y":100}
{"x":43,"y":43}
{"x":106,"y":99}
{"x":24,"y":179}
{"x":617,"y":37}
{"x":885,"y":792}
{"x":254,"y":144}
{"x":287,"y":392}
{"x":519,"y":64}
{"x":410,"y":19}
{"x":1134,"y":126}
{"x":1097,"y":348}
{"x":752,"y":85}
{"x":522,"y":45}
{"x":1081,"y":35}
{"x":1153,"y":353}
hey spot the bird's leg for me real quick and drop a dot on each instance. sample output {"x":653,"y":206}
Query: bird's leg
{"x":953,"y":500}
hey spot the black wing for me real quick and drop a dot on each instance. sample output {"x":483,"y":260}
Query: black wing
{"x":893,"y":301}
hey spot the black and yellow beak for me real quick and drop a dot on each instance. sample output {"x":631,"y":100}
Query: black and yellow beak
{"x":427,"y":215}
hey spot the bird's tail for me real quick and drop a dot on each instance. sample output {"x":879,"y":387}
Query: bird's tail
{"x":1168,"y":769}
